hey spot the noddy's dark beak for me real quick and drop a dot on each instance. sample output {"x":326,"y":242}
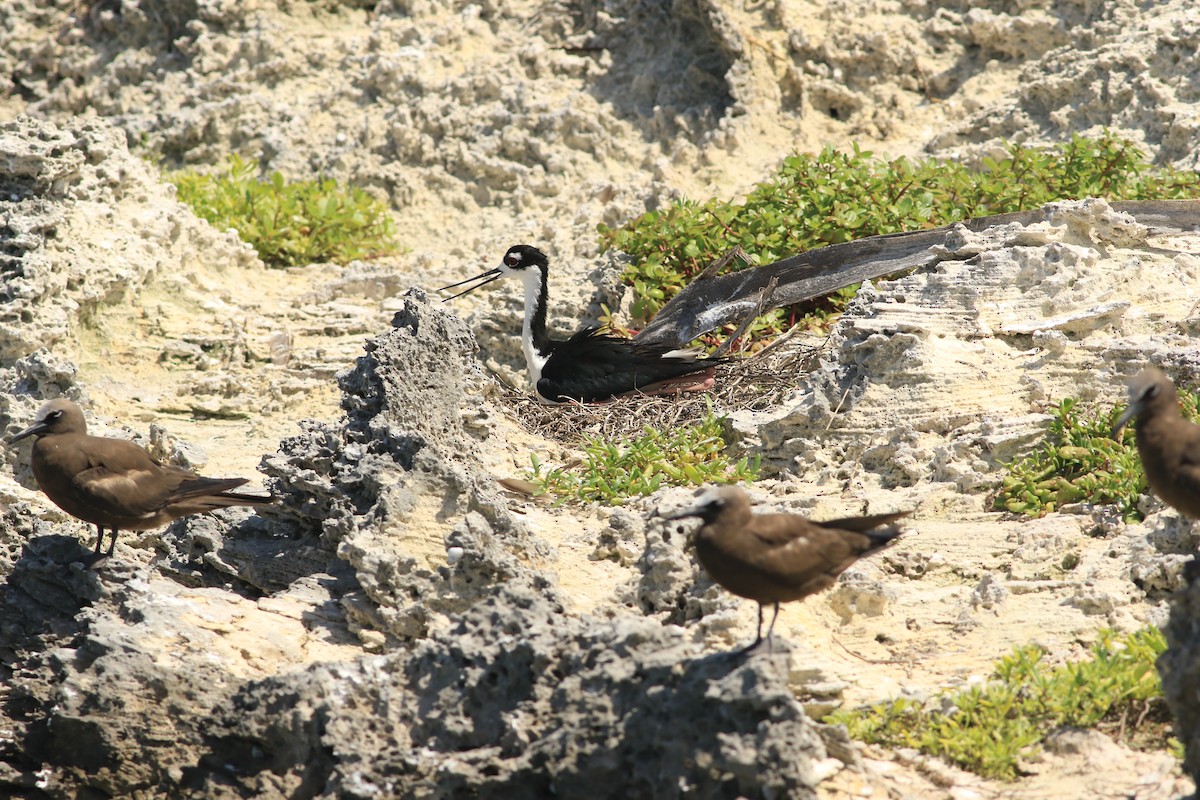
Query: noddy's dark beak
{"x":484,"y":279}
{"x":33,"y":430}
{"x":684,"y":513}
{"x":1132,"y":411}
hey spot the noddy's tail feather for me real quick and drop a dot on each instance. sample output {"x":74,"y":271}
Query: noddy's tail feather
{"x":864,"y":524}
{"x":876,"y":527}
{"x":214,"y":493}
{"x":239,"y":499}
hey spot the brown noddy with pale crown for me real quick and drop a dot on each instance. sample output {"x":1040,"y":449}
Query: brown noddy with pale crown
{"x":115,"y":484}
{"x":777,"y":558}
{"x":1168,"y":445}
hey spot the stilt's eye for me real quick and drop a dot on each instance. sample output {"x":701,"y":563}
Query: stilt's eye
{"x":512,"y":260}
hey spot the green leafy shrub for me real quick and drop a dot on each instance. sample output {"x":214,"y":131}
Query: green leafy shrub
{"x":613,"y":471}
{"x":1079,"y":461}
{"x":289,"y":223}
{"x":989,"y":726}
{"x":833,"y":197}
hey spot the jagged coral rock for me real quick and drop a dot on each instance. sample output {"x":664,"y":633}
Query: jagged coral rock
{"x":519,"y":702}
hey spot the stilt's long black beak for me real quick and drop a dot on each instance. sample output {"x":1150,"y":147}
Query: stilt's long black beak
{"x":32,"y":430}
{"x":484,"y":278}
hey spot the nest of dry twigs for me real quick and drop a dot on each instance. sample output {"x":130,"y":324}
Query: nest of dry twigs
{"x":755,"y":382}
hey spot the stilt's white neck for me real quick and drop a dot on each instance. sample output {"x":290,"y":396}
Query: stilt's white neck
{"x":535,"y":359}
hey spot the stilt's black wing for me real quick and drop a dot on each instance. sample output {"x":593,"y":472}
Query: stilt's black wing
{"x":592,"y":366}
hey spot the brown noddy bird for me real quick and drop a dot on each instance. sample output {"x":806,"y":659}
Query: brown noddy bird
{"x":1168,"y":444}
{"x":777,"y":558}
{"x":115,"y":484}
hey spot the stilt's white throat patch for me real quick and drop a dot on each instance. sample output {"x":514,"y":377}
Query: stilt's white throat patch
{"x":534,"y":361}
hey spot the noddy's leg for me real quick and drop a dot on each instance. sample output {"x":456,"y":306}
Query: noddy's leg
{"x":758,"y":637}
{"x":96,"y":558}
{"x":113,"y":543}
{"x":771,"y":629}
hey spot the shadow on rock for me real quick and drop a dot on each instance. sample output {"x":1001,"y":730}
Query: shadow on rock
{"x":1179,"y":668}
{"x":40,"y":603}
{"x":521,"y":702}
{"x":42,"y":596}
{"x":669,"y":64}
{"x":397,"y":483}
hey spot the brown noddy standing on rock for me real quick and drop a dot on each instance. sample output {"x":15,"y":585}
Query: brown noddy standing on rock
{"x":115,"y":484}
{"x":777,"y":558}
{"x":1168,"y":444}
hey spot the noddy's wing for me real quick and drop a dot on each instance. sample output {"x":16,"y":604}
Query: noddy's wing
{"x":1188,"y":473}
{"x":813,"y":554}
{"x":214,"y":488}
{"x":122,"y":480}
{"x":801,"y":549}
{"x":778,"y":530}
{"x":876,"y":528}
{"x":200,"y":495}
{"x":131,"y":492}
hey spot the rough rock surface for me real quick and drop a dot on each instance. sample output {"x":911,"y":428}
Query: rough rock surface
{"x":509,"y":705}
{"x":56,"y":179}
{"x":1179,"y":667}
{"x":1012,"y":319}
{"x":394,"y":487}
{"x":1088,"y":66}
{"x":505,"y":701}
{"x":346,"y":642}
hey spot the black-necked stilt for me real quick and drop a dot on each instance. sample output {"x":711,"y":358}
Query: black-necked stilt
{"x":1167,"y":443}
{"x":590,"y":366}
{"x":777,"y":558}
{"x":113,"y":483}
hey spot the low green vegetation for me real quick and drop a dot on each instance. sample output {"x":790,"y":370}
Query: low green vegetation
{"x":611,"y":472}
{"x":289,"y":222}
{"x":989,"y":728}
{"x":833,"y":197}
{"x":1079,"y":461}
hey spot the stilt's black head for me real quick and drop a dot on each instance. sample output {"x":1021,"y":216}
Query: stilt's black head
{"x":517,"y":261}
{"x":524,"y":256}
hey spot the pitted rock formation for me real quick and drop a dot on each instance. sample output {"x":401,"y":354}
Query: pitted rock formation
{"x":520,"y":702}
{"x":397,"y":484}
{"x":496,"y":693}
{"x":486,"y":125}
{"x":1148,"y":66}
{"x":55,"y":265}
{"x":1179,"y":668}
{"x":111,"y":676}
{"x":1014,"y":317}
{"x":398,"y":120}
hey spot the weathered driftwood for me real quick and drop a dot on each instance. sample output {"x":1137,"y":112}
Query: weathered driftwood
{"x":711,"y":301}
